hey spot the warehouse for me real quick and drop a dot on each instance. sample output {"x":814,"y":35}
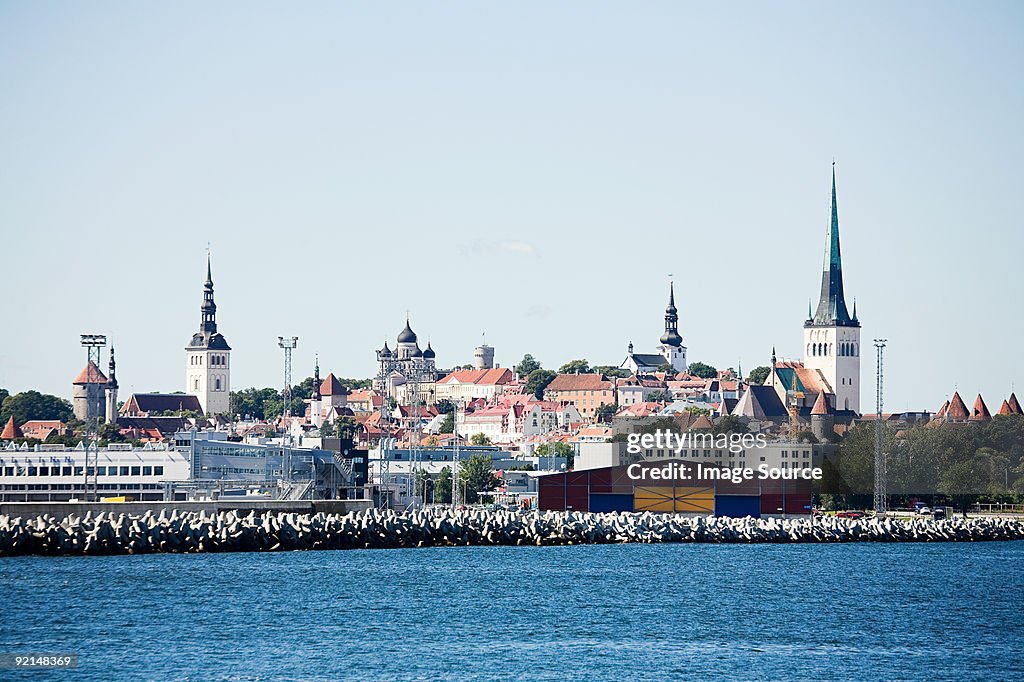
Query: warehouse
{"x":625,"y":488}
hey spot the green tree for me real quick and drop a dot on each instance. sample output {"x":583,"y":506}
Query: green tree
{"x":445,"y":406}
{"x":443,"y":486}
{"x":693,"y":409}
{"x":477,"y":475}
{"x":527,"y":365}
{"x":448,"y":423}
{"x":758,"y":375}
{"x":575,"y":367}
{"x":730,"y":424}
{"x":29,"y":405}
{"x":664,"y":396}
{"x":327,"y":430}
{"x":538,"y":381}
{"x":699,"y":369}
{"x":609,"y":371}
{"x":424,"y":486}
{"x":346,"y":427}
{"x":479,"y":439}
{"x":605,"y":412}
{"x":251,"y":402}
{"x":558,"y":450}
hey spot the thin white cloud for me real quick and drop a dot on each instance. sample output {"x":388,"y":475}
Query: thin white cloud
{"x":519,"y":247}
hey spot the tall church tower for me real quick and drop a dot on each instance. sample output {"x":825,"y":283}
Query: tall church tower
{"x":831,"y":334}
{"x":208,"y":358}
{"x":672,"y":348}
{"x":111,"y":411}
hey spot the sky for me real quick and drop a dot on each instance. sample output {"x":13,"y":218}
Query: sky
{"x":527,"y":173}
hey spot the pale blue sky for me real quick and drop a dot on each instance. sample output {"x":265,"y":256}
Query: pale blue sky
{"x":528,"y":170}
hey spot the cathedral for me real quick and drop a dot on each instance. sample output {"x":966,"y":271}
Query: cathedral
{"x":208,"y":358}
{"x":407,"y":373}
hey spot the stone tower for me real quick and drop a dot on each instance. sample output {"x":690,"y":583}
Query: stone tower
{"x":111,"y":411}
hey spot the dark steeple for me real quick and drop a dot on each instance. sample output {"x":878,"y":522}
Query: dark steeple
{"x":671,"y":336}
{"x":209,"y":308}
{"x":208,"y":337}
{"x":316,"y":379}
{"x":832,"y":310}
{"x":112,"y":381}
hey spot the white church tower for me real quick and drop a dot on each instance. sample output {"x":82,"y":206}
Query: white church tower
{"x":208,"y":358}
{"x":831,"y":334}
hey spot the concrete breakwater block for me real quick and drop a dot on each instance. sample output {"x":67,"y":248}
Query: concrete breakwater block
{"x":228,"y":531}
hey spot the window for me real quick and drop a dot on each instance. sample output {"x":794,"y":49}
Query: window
{"x":124,"y":471}
{"x":147,"y":471}
{"x":66,"y":471}
{"x":101,"y":471}
{"x":218,"y":384}
{"x":78,"y":471}
{"x":158,"y":471}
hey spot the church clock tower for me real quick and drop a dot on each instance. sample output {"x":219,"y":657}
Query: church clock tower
{"x":208,"y":358}
{"x":831,"y":334}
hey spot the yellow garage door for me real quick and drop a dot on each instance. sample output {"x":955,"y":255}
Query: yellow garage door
{"x":670,"y":500}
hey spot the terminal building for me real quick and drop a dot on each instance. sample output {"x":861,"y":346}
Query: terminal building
{"x":196,"y":465}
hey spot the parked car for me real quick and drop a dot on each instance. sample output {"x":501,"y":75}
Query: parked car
{"x":850,"y":514}
{"x":924,"y":511}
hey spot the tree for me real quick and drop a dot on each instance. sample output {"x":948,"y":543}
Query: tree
{"x":758,"y":375}
{"x":346,"y":427}
{"x":730,"y":424}
{"x":29,"y":405}
{"x":575,"y":367}
{"x":327,"y":430}
{"x":443,"y":486}
{"x":527,"y":365}
{"x":610,"y":371}
{"x":538,"y":381}
{"x":480,"y":439}
{"x":699,"y":369}
{"x":252,"y":402}
{"x":605,"y":412}
{"x":664,"y":396}
{"x":476,"y":474}
{"x":448,"y":423}
{"x":445,"y":406}
{"x":424,"y":486}
{"x":693,"y":409}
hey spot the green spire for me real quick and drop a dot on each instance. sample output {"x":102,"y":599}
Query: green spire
{"x":832,"y":310}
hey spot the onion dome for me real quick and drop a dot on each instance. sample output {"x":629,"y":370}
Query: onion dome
{"x":429,"y":354}
{"x":385,"y":352}
{"x":407,"y":335}
{"x":416,"y":352}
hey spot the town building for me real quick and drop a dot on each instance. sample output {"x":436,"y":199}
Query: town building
{"x":588,"y":392}
{"x":208,"y":358}
{"x":465,"y":385}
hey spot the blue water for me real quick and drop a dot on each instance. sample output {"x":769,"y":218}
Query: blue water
{"x":646,"y":612}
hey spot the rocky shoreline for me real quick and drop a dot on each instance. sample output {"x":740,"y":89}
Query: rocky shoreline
{"x":229,"y":531}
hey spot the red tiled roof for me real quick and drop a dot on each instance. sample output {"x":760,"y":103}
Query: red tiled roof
{"x":331,"y":386}
{"x":11,"y":431}
{"x":90,"y":374}
{"x":702,"y":422}
{"x":957,"y":410}
{"x":1004,"y":409}
{"x":821,"y":405}
{"x":580,"y":382}
{"x":1014,"y":405}
{"x":980,"y":412}
{"x":482,"y":377}
{"x":942,"y":411}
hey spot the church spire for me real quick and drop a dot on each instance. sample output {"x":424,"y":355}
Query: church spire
{"x":832,"y":310}
{"x":316,"y":378}
{"x":112,"y":380}
{"x":671,"y":336}
{"x":209,"y":308}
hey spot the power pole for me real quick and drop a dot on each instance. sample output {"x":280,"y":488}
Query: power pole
{"x":880,"y":482}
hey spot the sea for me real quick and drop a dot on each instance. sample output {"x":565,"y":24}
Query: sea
{"x":599,"y":612}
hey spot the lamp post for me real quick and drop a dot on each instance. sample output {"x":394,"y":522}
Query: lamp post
{"x":93,"y":343}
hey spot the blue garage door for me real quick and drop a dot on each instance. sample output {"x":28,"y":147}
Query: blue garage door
{"x":738,"y":506}
{"x":610,"y":502}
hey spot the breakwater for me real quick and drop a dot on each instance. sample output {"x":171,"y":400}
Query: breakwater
{"x":231,"y":531}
